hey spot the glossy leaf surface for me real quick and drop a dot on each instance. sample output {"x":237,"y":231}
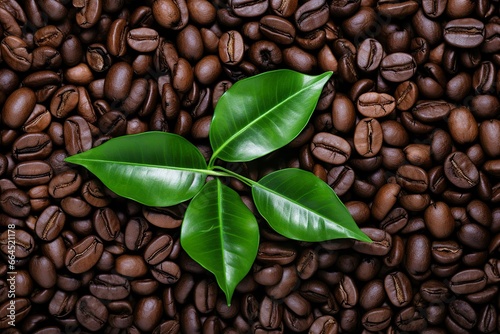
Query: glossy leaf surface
{"x":152,"y":168}
{"x":300,"y":206}
{"x":262,"y":113}
{"x":221,"y":234}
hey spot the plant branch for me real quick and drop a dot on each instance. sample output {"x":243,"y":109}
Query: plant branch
{"x":243,"y":179}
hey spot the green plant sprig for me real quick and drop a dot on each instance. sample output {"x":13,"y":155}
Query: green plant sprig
{"x":256,"y":116}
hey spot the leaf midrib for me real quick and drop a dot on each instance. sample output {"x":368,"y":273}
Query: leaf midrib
{"x":219,"y":214}
{"x":257,"y":185}
{"x":245,"y":128}
{"x":108,"y":162}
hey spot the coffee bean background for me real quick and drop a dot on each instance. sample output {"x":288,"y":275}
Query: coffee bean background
{"x":406,"y":132}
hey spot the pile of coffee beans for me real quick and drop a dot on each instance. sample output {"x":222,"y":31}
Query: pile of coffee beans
{"x":406,"y":132}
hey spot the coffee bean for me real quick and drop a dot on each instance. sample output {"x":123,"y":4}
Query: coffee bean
{"x":375,"y":105}
{"x":465,"y":33}
{"x":50,"y":223}
{"x":143,"y":39}
{"x":460,"y":170}
{"x":368,"y":137}
{"x":312,"y":15}
{"x":398,"y":289}
{"x":398,"y":67}
{"x":418,"y":256}
{"x":77,"y":135}
{"x":32,"y":173}
{"x":377,"y":319}
{"x":468,"y":281}
{"x":330,"y":148}
{"x":91,"y":313}
{"x":84,"y":255}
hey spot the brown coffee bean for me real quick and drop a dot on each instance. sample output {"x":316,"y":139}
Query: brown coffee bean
{"x":84,"y":255}
{"x":91,"y":312}
{"x":464,"y":33}
{"x":460,"y":170}
{"x":330,"y":148}
{"x":418,"y":256}
{"x":64,"y":184}
{"x":118,"y":81}
{"x":131,"y":266}
{"x":50,"y":223}
{"x":368,"y":137}
{"x":398,"y":67}
{"x":463,"y":127}
{"x":381,"y":245}
{"x":398,"y":289}
{"x":468,"y":281}
{"x":439,"y":220}
{"x":143,"y":39}
{"x":18,"y":107}
{"x":15,"y":53}
{"x":277,"y":29}
{"x":375,"y":105}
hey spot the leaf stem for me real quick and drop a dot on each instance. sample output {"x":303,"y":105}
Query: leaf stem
{"x":243,"y":179}
{"x":211,"y":162}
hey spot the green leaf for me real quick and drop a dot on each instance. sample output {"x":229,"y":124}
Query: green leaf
{"x":152,"y":168}
{"x":300,"y":206}
{"x":262,"y":113}
{"x":221,"y":234}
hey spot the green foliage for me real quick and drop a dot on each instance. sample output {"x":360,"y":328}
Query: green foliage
{"x":256,"y":116}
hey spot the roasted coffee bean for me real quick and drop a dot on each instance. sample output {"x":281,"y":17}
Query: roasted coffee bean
{"x":410,"y":319}
{"x":377,"y":319}
{"x":324,"y":324}
{"x":15,"y":203}
{"x":463,"y":127}
{"x":166,"y":272}
{"x":18,"y":107}
{"x":277,"y":29}
{"x":32,"y":173}
{"x":271,"y":313}
{"x":50,"y":223}
{"x":398,"y":67}
{"x":464,"y":33}
{"x":84,"y":255}
{"x":64,"y":184}
{"x":474,"y":235}
{"x":398,"y":289}
{"x":468,"y":281}
{"x":118,"y":81}
{"x":91,"y":312}
{"x":311,"y":15}
{"x":143,"y":39}
{"x":375,"y":105}
{"x":381,"y":245}
{"x":384,"y":200}
{"x":106,"y":224}
{"x":369,"y":55}
{"x":460,"y":170}
{"x":109,"y":287}
{"x":32,"y":146}
{"x":299,"y":60}
{"x":15,"y":53}
{"x":368,"y":137}
{"x":330,"y":148}
{"x":276,"y":253}
{"x":418,"y":256}
{"x":205,"y":296}
{"x":77,"y":135}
